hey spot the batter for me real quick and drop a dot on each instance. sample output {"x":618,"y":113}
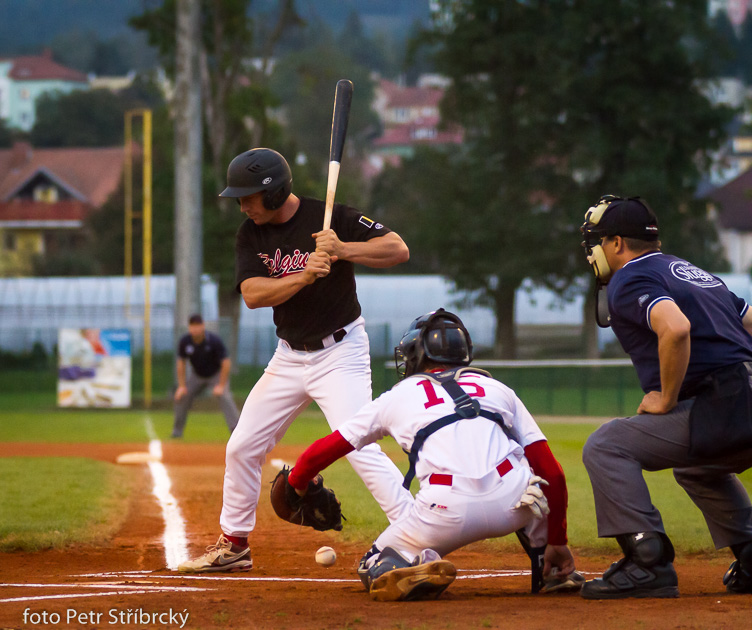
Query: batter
{"x":284,"y":260}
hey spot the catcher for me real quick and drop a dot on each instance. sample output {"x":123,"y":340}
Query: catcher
{"x":472,"y":445}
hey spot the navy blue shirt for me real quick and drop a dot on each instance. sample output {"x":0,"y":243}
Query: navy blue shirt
{"x":205,"y":357}
{"x":717,"y":336}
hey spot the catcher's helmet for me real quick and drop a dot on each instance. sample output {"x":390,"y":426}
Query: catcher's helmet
{"x":438,"y":336}
{"x":259,"y":170}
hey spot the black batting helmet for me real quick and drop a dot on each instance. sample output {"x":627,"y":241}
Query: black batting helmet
{"x":438,"y":336}
{"x":259,"y":170}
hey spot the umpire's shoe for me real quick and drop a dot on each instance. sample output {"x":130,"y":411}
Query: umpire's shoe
{"x":738,"y":578}
{"x":394,"y":579}
{"x":219,"y":557}
{"x":646,"y":570}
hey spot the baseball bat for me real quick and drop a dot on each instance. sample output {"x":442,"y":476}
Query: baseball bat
{"x":340,"y":118}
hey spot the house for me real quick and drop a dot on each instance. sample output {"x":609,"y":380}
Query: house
{"x":410,"y":117}
{"x":24,"y":79}
{"x":45,"y":195}
{"x":731,"y":208}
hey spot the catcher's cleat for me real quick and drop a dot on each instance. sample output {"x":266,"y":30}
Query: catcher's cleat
{"x":219,"y":558}
{"x":555,"y":583}
{"x":423,"y":581}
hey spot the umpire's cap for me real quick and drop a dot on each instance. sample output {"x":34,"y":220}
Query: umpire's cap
{"x":629,"y":217}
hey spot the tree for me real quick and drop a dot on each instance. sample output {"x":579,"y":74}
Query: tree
{"x":484,"y":208}
{"x":84,"y":118}
{"x":637,"y":120}
{"x":235,"y":59}
{"x":607,"y":100}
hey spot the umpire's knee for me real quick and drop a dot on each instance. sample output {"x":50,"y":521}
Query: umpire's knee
{"x":600,"y":446}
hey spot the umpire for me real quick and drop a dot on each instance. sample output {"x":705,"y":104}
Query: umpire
{"x":210,"y":368}
{"x":689,"y":339}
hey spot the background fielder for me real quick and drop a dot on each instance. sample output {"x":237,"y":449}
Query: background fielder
{"x":285,"y":260}
{"x":475,"y":478}
{"x":210,"y":367}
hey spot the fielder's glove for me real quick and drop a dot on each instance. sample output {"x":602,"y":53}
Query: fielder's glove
{"x":534,"y":498}
{"x":318,"y":508}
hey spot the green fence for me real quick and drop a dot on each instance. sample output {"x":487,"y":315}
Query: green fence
{"x":597,"y":387}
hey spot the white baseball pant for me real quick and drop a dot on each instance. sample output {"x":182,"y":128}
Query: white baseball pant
{"x":338,"y":379}
{"x":447,"y":517}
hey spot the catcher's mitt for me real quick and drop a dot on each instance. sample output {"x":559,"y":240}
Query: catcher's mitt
{"x":319,"y":508}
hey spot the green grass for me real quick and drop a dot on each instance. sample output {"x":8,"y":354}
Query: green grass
{"x":55,"y":501}
{"x":27,"y":422}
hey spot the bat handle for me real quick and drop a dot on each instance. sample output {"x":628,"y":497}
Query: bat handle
{"x":331,"y":188}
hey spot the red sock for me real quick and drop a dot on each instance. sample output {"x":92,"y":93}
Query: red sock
{"x":241,"y":542}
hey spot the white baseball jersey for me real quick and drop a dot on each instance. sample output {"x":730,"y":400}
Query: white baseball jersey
{"x":481,"y":473}
{"x":470,"y":448}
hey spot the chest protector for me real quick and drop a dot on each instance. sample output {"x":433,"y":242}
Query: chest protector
{"x":465,"y":408}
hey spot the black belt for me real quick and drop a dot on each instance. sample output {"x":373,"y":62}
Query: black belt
{"x":337,"y":335}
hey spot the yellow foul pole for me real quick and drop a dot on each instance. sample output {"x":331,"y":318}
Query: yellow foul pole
{"x":147,"y":257}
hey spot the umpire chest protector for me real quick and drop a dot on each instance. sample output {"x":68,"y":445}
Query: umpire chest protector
{"x":465,"y":408}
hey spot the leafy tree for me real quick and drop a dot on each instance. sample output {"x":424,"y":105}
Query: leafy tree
{"x":727,"y":56}
{"x":107,"y":225}
{"x":80,"y":118}
{"x":608,"y":100}
{"x":7,"y":135}
{"x":745,"y":50}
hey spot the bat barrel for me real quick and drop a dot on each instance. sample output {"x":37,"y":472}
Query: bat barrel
{"x":340,"y":118}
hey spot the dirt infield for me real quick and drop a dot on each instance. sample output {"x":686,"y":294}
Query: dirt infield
{"x":124,"y":584}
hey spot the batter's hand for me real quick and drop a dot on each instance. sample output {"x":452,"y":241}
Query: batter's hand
{"x":319,"y":265}
{"x":653,"y":403}
{"x":328,"y":241}
{"x":181,"y":391}
{"x":560,"y":557}
{"x":218,"y":389}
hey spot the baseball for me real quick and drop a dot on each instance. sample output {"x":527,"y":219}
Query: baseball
{"x":326,"y":556}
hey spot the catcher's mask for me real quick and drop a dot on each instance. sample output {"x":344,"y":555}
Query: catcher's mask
{"x":259,"y":170}
{"x":438,"y":336}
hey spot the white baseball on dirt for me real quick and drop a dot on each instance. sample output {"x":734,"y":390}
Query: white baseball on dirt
{"x":326,"y":556}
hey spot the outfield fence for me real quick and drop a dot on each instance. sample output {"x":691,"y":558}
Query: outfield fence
{"x":579,"y":387}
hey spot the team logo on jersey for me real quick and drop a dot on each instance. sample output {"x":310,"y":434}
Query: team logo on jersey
{"x":687,"y":272}
{"x":279,"y":265}
{"x":641,"y":300}
{"x":370,"y":223}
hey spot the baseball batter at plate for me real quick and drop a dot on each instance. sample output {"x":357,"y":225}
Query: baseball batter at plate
{"x":285,"y":260}
{"x":473,"y":447}
{"x":688,"y":338}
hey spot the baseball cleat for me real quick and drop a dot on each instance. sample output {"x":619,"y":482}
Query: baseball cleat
{"x":424,"y":581}
{"x":563,"y":584}
{"x":219,"y":557}
{"x":627,"y":579}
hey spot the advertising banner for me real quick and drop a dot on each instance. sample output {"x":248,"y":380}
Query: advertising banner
{"x":94,"y":367}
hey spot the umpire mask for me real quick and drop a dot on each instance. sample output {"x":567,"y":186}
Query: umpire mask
{"x":593,"y":234}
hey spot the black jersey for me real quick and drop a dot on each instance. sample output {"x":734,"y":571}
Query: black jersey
{"x":205,"y":357}
{"x":718,"y":338}
{"x":277,"y":250}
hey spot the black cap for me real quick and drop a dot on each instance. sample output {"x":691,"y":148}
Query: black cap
{"x":195,"y":319}
{"x":630,"y":217}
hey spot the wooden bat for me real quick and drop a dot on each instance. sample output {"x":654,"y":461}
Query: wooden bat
{"x":340,"y":118}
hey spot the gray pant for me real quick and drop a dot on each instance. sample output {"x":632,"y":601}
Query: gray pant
{"x":195,"y":385}
{"x":616,"y":454}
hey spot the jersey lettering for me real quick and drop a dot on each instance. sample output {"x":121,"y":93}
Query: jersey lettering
{"x":279,"y":265}
{"x":434,"y":399}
